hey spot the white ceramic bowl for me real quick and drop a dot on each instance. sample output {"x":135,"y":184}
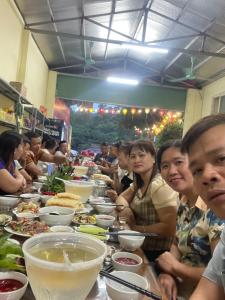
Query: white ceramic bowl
{"x":8,"y":201}
{"x":38,"y":185}
{"x":104,"y":209}
{"x":64,"y":218}
{"x":17,"y":294}
{"x":123,"y":266}
{"x":61,"y":228}
{"x":105,"y":220}
{"x":117,"y":291}
{"x":130,"y":243}
{"x":44,"y":198}
{"x":94,"y":200}
{"x":26,"y":215}
{"x":29,"y":197}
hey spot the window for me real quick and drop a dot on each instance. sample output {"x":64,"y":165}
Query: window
{"x":218,"y":105}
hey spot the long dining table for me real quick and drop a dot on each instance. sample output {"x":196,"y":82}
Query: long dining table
{"x":98,"y":292}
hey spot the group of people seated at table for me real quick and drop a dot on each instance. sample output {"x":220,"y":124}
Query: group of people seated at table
{"x":176,"y":193}
{"x":19,"y":156}
{"x":183,"y":201}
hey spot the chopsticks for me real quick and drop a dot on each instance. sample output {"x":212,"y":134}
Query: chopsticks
{"x":106,"y":204}
{"x":147,"y":234}
{"x":130,"y":285}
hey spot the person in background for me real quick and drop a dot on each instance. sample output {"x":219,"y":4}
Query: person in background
{"x":110,"y":166}
{"x":39,"y":154}
{"x":11,"y":148}
{"x":149,"y":204}
{"x":197,"y":232}
{"x":50,"y":146}
{"x":45,"y":138}
{"x":103,"y":155}
{"x":205,"y":144}
{"x":62,"y":150}
{"x":123,"y":177}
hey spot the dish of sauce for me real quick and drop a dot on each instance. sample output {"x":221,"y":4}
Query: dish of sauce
{"x":126,"y":261}
{"x":9,"y":285}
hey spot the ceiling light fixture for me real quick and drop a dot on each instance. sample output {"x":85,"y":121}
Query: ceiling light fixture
{"x":144,"y":48}
{"x":123,"y":80}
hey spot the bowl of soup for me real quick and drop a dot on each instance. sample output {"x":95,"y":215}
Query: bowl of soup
{"x":126,"y":261}
{"x":12,"y":285}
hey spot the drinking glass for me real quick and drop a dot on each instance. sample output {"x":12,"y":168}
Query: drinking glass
{"x":53,"y":271}
{"x":122,"y":221}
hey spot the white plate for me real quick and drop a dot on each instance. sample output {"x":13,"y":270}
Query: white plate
{"x":10,"y":230}
{"x":7,"y":219}
{"x":16,"y":212}
{"x":30,"y":196}
{"x":86,"y":210}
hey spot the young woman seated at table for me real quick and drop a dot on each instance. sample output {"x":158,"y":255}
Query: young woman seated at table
{"x":197,"y":231}
{"x":123,"y":176}
{"x":11,"y":148}
{"x":149,"y":204}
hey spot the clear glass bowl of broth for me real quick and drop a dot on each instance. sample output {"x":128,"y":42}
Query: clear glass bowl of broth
{"x":82,"y":188}
{"x":63,"y":265}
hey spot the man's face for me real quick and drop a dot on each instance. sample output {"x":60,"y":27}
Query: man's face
{"x":35,"y":145}
{"x":207,"y":164}
{"x":63,"y":148}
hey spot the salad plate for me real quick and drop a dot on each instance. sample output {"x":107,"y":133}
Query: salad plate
{"x":26,"y":228}
{"x":10,"y":230}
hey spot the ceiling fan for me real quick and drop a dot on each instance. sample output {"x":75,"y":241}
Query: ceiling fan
{"x":89,"y":61}
{"x":189,"y":74}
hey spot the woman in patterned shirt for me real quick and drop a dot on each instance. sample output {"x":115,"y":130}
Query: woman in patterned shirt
{"x":149,"y":204}
{"x":197,"y":230}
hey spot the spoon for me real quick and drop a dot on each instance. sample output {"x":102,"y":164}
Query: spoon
{"x":54,"y":213}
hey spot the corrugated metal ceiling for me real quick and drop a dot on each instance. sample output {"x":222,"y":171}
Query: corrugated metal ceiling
{"x":82,"y":37}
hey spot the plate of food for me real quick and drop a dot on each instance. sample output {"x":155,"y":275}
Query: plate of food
{"x":4,"y":219}
{"x":84,"y":219}
{"x":27,"y":207}
{"x":26,"y":228}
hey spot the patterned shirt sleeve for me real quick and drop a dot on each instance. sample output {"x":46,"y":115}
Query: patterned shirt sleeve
{"x":215,"y":225}
{"x":162,"y":195}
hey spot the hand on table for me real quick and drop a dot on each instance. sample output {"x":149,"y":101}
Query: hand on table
{"x":112,"y":194}
{"x":168,"y":286}
{"x":168,"y":262}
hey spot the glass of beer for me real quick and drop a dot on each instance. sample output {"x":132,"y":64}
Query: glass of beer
{"x":63,"y":265}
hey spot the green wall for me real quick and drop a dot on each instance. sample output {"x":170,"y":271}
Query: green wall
{"x":101,"y":91}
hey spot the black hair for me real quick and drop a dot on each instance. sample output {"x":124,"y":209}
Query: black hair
{"x":145,"y":146}
{"x":199,"y":128}
{"x":26,"y":140}
{"x":50,"y":144}
{"x":104,"y":144}
{"x":9,"y":141}
{"x":32,"y":135}
{"x":116,"y":145}
{"x":125,"y":148}
{"x":164,"y":147}
{"x":62,"y":142}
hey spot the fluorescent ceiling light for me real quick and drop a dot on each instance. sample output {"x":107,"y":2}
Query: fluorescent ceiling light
{"x":122,"y":80}
{"x":144,"y":48}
